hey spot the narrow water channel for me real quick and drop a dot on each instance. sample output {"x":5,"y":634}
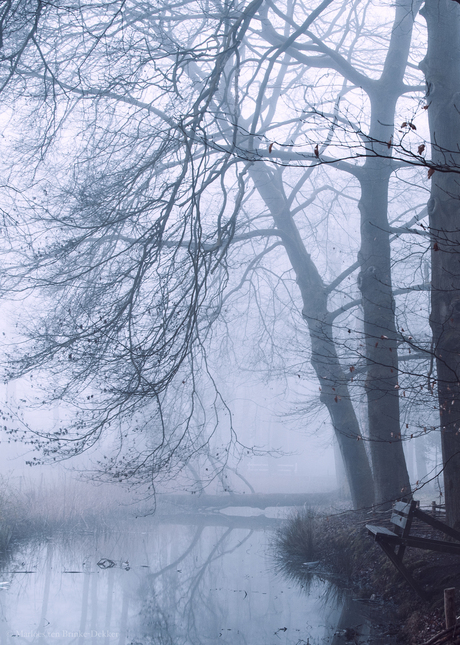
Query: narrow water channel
{"x":147,"y":582}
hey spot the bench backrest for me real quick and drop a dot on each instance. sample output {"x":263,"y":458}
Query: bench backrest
{"x":402,"y":516}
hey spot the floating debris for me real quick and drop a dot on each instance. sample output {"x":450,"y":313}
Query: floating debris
{"x":106,"y":563}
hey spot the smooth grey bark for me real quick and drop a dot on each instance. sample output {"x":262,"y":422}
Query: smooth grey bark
{"x":324,"y":358}
{"x":391,"y":478}
{"x":340,"y":473}
{"x":441,"y":67}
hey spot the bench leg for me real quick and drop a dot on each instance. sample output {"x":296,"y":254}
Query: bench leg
{"x":402,"y":569}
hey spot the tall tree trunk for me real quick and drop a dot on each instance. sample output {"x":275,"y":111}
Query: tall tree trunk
{"x":333,"y":381}
{"x":442,"y":72}
{"x":391,"y":478}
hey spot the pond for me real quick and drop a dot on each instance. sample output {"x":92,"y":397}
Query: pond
{"x":155,"y":581}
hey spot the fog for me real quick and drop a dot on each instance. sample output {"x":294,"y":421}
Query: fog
{"x":229,"y":290}
{"x":280,"y":457}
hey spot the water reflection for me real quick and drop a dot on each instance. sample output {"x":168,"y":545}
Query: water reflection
{"x":149,"y":582}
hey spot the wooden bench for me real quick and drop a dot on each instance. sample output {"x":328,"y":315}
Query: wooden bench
{"x":394,"y":543}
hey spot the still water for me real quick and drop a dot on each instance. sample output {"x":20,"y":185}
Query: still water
{"x":147,"y":581}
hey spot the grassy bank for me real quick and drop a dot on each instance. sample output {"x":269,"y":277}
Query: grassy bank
{"x":339,"y":547}
{"x":36,"y":510}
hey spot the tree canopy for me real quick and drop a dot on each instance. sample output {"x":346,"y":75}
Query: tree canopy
{"x":160,"y":156}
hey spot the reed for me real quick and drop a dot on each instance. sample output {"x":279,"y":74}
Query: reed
{"x":36,"y":510}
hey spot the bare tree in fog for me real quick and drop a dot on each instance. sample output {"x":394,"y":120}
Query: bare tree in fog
{"x":443,"y":77}
{"x":132,"y":200}
{"x":19,"y":24}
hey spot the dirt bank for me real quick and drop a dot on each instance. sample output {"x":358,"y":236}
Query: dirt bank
{"x":340,"y":542}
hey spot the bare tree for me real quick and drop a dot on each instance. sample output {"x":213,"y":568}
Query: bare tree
{"x":19,"y":23}
{"x":152,"y":124}
{"x":443,"y":102}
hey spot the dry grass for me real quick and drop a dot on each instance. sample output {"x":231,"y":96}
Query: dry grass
{"x":66,"y":505}
{"x":295,"y":538}
{"x":341,"y":547}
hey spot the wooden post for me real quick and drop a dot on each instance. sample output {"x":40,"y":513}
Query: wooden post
{"x":449,"y":607}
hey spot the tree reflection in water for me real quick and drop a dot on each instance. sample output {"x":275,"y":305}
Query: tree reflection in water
{"x":186,"y":584}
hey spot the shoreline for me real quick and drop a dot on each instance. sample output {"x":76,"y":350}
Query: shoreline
{"x":342,"y":550}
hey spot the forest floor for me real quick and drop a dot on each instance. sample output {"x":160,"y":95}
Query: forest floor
{"x":342,"y":544}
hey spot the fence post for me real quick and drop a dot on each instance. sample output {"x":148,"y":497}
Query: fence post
{"x":449,"y":607}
